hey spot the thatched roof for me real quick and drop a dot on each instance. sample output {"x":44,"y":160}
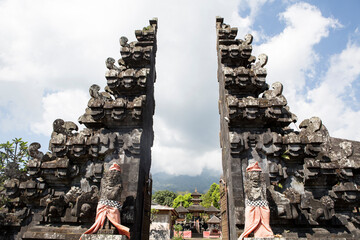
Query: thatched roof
{"x":196,"y":208}
{"x":214,"y":220}
{"x":212,"y":209}
{"x":181,"y":209}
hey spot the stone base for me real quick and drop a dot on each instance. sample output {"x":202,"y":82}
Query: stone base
{"x":103,"y":237}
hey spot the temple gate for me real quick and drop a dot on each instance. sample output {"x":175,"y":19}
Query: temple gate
{"x":311,"y":178}
{"x":58,"y":198}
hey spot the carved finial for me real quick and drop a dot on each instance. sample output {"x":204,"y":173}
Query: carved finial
{"x":123,"y":41}
{"x":58,"y":126}
{"x":110,"y":64}
{"x":70,"y":126}
{"x":263,"y":58}
{"x":94,"y":91}
{"x":108,"y":90}
{"x":248,"y":39}
{"x":278,"y":88}
{"x":33,"y":150}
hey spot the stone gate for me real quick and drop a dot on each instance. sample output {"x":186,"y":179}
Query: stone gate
{"x":312,"y":179}
{"x":58,"y":198}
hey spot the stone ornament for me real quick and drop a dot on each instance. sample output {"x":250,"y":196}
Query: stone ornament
{"x":257,"y":212}
{"x":109,"y":206}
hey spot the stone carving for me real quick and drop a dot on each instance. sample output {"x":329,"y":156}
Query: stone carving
{"x":257,"y":212}
{"x":60,"y":193}
{"x":103,"y":112}
{"x":311,"y":178}
{"x":109,"y":206}
{"x":83,"y":203}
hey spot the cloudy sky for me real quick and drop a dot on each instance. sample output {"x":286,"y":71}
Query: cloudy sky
{"x":51,"y":51}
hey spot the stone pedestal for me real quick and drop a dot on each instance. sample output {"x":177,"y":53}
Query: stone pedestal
{"x":103,"y":237}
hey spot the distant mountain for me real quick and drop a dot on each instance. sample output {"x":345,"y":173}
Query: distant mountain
{"x":183,"y":183}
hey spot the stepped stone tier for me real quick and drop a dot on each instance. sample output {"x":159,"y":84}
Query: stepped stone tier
{"x":312,"y":179}
{"x":58,"y":197}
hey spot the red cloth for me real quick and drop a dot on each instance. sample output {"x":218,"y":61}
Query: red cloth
{"x":113,"y":214}
{"x":254,"y":167}
{"x":115,"y":167}
{"x":257,"y":220}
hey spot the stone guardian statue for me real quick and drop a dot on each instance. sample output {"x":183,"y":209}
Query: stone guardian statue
{"x":257,"y":212}
{"x":109,"y":207}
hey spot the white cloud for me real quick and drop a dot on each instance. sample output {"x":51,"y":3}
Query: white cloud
{"x":245,"y":23}
{"x":292,"y":56}
{"x":60,"y":47}
{"x":291,"y":53}
{"x":293,"y":60}
{"x":68,"y":105}
{"x":178,"y":161}
{"x":328,"y":99}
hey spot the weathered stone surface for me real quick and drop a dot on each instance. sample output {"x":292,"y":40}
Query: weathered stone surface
{"x":311,"y":178}
{"x":103,"y":237}
{"x":59,"y":196}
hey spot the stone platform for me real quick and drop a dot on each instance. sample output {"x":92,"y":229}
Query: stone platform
{"x":103,"y":237}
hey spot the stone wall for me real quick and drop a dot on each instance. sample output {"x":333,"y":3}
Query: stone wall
{"x":160,"y":228}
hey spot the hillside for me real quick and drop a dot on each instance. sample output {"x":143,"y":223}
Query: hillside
{"x":183,"y":183}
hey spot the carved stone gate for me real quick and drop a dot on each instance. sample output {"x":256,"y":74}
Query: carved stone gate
{"x":312,"y":179}
{"x":58,"y":198}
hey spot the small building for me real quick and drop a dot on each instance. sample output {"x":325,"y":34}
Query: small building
{"x":213,"y":223}
{"x":162,"y":222}
{"x":214,"y":228}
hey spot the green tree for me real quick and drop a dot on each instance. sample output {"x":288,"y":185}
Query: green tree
{"x":153,"y":214}
{"x":164,"y":197}
{"x":13,"y":158}
{"x":182,"y":200}
{"x":215,"y":196}
{"x":212,"y":196}
{"x":178,"y":228}
{"x":189,"y":217}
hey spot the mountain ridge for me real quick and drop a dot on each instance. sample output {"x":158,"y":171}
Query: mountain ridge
{"x":185,"y":183}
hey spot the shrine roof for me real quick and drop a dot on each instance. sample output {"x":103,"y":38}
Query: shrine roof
{"x":196,"y":208}
{"x":181,"y":209}
{"x":214,"y":220}
{"x":212,"y":209}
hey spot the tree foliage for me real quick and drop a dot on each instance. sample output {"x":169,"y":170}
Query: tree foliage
{"x":164,"y":197}
{"x":212,"y":196}
{"x":13,"y":158}
{"x":182,"y":200}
